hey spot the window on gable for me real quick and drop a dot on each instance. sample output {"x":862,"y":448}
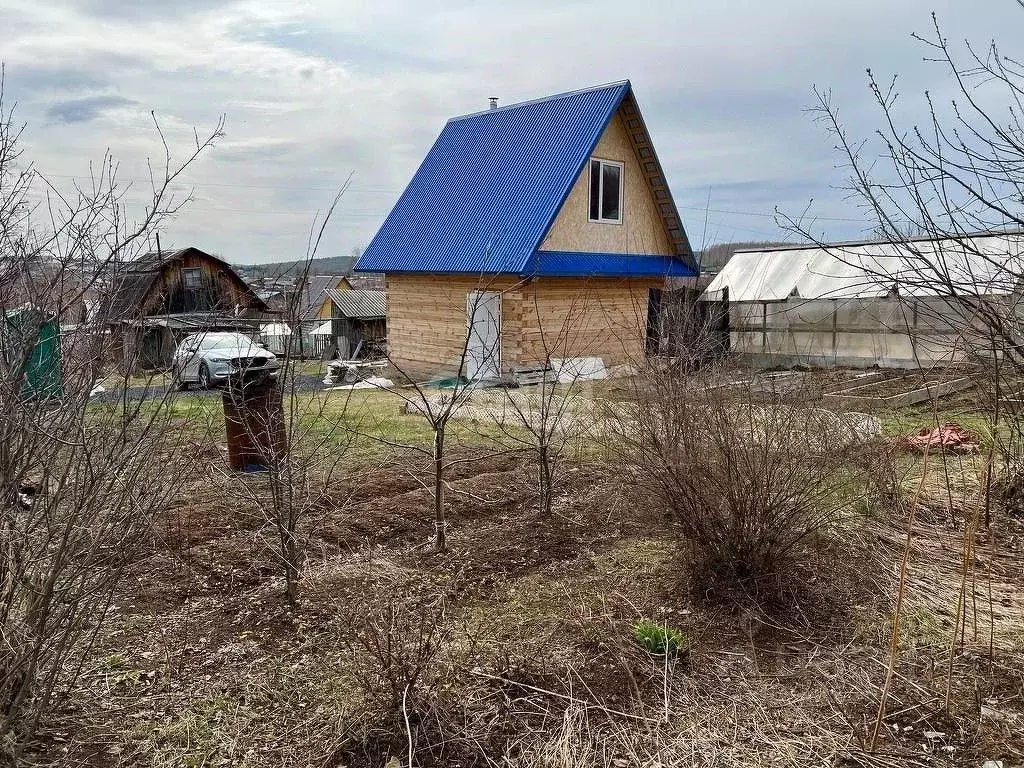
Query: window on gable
{"x":606,"y":191}
{"x":192,"y":278}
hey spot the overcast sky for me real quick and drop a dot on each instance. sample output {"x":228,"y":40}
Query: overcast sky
{"x":313,"y":90}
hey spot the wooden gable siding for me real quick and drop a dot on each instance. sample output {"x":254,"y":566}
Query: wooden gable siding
{"x":426,"y":321}
{"x":563,"y":317}
{"x":326,"y":309}
{"x":642,"y":229}
{"x":221,"y":289}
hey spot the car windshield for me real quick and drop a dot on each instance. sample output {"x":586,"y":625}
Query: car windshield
{"x":222,"y":340}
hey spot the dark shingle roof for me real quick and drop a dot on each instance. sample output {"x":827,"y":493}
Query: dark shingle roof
{"x":363,"y":305}
{"x":129,"y":282}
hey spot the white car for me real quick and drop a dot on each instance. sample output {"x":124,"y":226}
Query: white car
{"x":208,"y":359}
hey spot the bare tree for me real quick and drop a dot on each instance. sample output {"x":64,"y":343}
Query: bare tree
{"x":301,"y":441}
{"x":948,"y":180}
{"x":440,"y":405}
{"x":80,"y":482}
{"x":542,"y":417}
{"x":937,"y":186}
{"x":932,"y":189}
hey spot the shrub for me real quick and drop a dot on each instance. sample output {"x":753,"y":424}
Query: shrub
{"x":395,"y":649}
{"x":745,"y":482}
{"x":398,"y":640}
{"x":660,"y":639}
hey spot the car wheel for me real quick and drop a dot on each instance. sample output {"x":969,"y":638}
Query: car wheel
{"x":178,"y":379}
{"x":204,"y":377}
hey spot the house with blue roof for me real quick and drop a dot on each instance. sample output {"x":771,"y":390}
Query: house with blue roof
{"x":530,"y":232}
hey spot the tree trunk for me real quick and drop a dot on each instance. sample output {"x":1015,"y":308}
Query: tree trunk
{"x":292,"y":572}
{"x":544,"y":479}
{"x":439,"y":532}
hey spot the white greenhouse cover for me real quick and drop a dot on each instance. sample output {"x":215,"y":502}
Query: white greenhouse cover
{"x":982,"y":265}
{"x":324,"y":329}
{"x":275,"y":329}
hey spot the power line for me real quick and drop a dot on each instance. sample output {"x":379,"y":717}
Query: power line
{"x":145,"y":180}
{"x":194,"y":205}
{"x":764,"y":215}
{"x":383,"y":190}
{"x":396,"y":192}
{"x":338,"y":212}
{"x":720,"y":226}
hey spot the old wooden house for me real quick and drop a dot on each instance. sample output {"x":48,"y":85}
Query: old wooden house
{"x":154,"y":301}
{"x":530,"y":232}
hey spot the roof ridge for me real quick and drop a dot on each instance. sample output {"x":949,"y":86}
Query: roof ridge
{"x":353,"y":290}
{"x":543,"y":99}
{"x":881,"y":241}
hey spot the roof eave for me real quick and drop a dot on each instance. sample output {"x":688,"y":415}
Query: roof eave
{"x":606,"y":265}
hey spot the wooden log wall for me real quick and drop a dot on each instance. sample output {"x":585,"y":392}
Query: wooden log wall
{"x":542,"y":318}
{"x":565,"y":317}
{"x":427,"y":320}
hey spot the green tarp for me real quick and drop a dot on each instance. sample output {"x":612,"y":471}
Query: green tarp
{"x":32,"y":344}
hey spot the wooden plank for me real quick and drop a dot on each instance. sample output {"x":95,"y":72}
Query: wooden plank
{"x":527,"y":376}
{"x":931,"y":390}
{"x":868,"y":378}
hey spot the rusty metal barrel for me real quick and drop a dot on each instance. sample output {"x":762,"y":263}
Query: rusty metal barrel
{"x":254,"y":425}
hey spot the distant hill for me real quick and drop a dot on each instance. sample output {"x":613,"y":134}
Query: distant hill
{"x":712,"y":259}
{"x":329,"y":265}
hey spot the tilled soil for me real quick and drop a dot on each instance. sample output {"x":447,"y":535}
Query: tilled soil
{"x":204,"y":663}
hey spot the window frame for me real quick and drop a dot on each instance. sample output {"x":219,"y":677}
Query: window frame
{"x":185,"y":272}
{"x":600,"y":190}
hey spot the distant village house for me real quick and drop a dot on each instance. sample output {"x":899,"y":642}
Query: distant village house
{"x":156,"y":300}
{"x":357,"y":321}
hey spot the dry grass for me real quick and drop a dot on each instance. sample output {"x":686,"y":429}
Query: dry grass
{"x":204,"y":663}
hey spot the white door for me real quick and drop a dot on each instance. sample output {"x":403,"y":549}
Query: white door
{"x":483,"y":317}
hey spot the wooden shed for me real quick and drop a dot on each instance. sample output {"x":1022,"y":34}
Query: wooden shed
{"x":530,"y":232}
{"x":358,"y":322}
{"x":154,"y":301}
{"x":303,"y":301}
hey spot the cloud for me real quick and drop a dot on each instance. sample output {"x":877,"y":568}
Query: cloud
{"x":254,"y":150}
{"x":148,"y":9}
{"x":85,"y":109}
{"x":314,"y":91}
{"x":50,"y":79}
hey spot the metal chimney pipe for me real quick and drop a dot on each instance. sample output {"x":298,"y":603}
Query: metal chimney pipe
{"x":494,"y":102}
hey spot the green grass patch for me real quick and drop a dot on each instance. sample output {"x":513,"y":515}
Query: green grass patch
{"x":660,"y":639}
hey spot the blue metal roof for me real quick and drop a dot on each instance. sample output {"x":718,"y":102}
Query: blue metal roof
{"x":489,"y":189}
{"x":573,"y":264}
